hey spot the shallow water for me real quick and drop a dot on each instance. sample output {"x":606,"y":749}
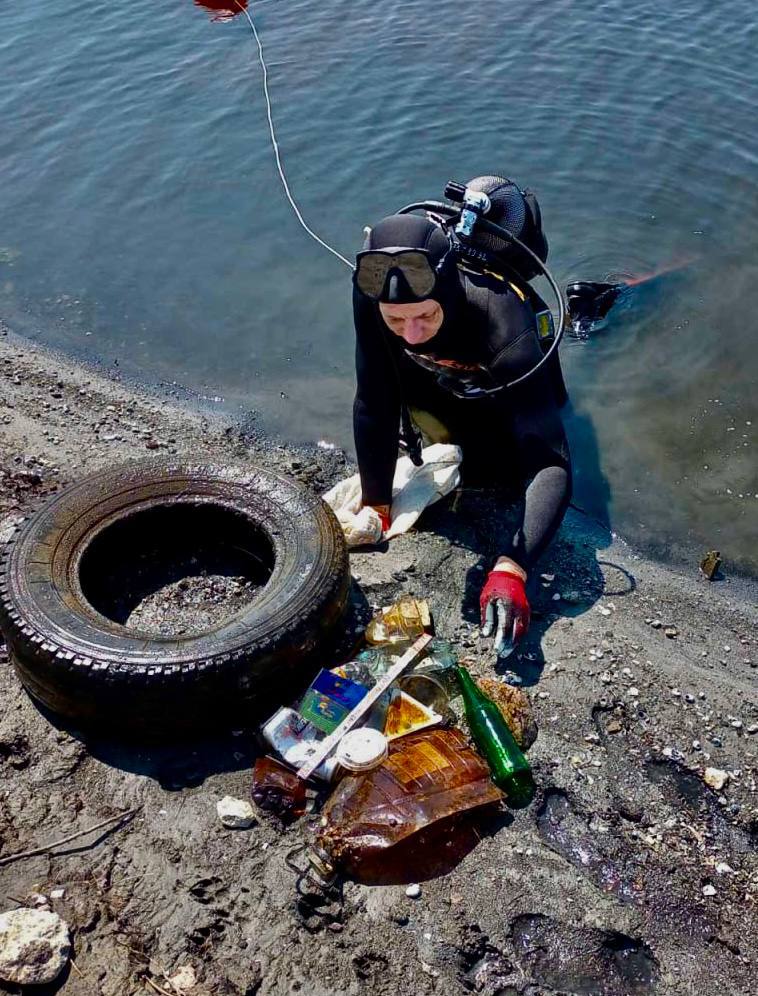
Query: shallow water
{"x":143,"y":221}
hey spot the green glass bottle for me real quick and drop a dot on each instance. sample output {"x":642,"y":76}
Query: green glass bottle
{"x":509,"y":768}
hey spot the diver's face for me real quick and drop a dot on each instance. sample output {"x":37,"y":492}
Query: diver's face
{"x":416,"y":323}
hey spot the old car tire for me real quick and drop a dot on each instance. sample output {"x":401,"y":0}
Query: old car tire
{"x":62,"y":575}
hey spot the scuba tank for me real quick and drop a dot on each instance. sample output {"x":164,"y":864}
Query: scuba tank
{"x":517,"y":253}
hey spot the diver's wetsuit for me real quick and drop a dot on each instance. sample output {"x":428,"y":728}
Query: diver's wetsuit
{"x":516,"y":433}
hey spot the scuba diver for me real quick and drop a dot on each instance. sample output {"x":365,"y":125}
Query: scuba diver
{"x":453,"y":340}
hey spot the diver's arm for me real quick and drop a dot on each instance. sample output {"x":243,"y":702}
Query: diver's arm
{"x":376,"y":409}
{"x":544,"y":453}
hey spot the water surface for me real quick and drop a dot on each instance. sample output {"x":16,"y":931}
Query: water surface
{"x":143,"y":221}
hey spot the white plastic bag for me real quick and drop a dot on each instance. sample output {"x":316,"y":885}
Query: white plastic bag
{"x":413,"y":490}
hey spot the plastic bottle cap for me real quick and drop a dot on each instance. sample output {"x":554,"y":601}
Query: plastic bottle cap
{"x":362,"y":750}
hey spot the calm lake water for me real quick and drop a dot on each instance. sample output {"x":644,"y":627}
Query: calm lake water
{"x":142,"y":220}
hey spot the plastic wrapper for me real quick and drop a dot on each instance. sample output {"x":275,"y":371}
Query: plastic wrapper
{"x":413,"y":489}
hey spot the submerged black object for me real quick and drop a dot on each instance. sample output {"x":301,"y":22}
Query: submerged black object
{"x":590,"y":301}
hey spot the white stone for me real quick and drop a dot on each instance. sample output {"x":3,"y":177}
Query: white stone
{"x":708,"y":890}
{"x":716,"y":778}
{"x":722,"y":868}
{"x":413,"y":891}
{"x":34,"y":946}
{"x":633,"y":693}
{"x":673,"y":753}
{"x":57,"y":893}
{"x":235,"y":813}
{"x":183,"y":979}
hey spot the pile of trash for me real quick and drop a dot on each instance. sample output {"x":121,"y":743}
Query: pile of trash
{"x":379,"y":738}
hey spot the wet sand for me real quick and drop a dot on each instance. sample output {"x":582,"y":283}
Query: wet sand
{"x":628,"y":874}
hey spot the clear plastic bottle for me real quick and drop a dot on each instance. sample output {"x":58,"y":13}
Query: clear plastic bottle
{"x":406,"y":620}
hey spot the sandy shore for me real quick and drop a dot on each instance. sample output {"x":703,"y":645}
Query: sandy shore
{"x":627,"y":875}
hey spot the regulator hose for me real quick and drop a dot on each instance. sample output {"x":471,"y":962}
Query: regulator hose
{"x":448,"y":212}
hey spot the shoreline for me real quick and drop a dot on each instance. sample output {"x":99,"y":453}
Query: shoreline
{"x":678,"y":554}
{"x":617,"y":849}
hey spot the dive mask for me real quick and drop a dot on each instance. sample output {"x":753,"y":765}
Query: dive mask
{"x":373,"y":267}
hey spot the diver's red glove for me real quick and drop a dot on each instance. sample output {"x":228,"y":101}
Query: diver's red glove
{"x":385,"y":514}
{"x":503,"y":602}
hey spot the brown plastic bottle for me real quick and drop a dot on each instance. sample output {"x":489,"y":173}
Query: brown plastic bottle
{"x":277,"y":789}
{"x":413,"y":813}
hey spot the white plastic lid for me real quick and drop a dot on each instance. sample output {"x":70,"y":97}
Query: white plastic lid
{"x":362,"y":750}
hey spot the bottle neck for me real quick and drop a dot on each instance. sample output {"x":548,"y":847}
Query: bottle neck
{"x":469,"y":687}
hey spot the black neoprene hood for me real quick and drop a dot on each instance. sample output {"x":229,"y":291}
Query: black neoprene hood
{"x":408,"y":231}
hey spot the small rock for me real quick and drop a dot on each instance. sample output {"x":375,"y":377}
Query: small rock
{"x":235,"y":813}
{"x":673,"y":753}
{"x":557,"y":597}
{"x":753,"y":728}
{"x":696,"y":745}
{"x":633,"y":692}
{"x":722,"y":868}
{"x":671,"y":632}
{"x":716,"y":778}
{"x":57,"y":893}
{"x":708,"y":890}
{"x":34,"y":946}
{"x":736,"y":723}
{"x":603,"y":610}
{"x":676,"y":693}
{"x":413,"y":891}
{"x":656,"y":623}
{"x":614,"y":726}
{"x":183,"y":979}
{"x":606,"y":678}
{"x":548,"y":577}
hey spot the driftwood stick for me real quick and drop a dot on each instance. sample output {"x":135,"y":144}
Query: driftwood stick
{"x":65,"y":840}
{"x":156,"y":987}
